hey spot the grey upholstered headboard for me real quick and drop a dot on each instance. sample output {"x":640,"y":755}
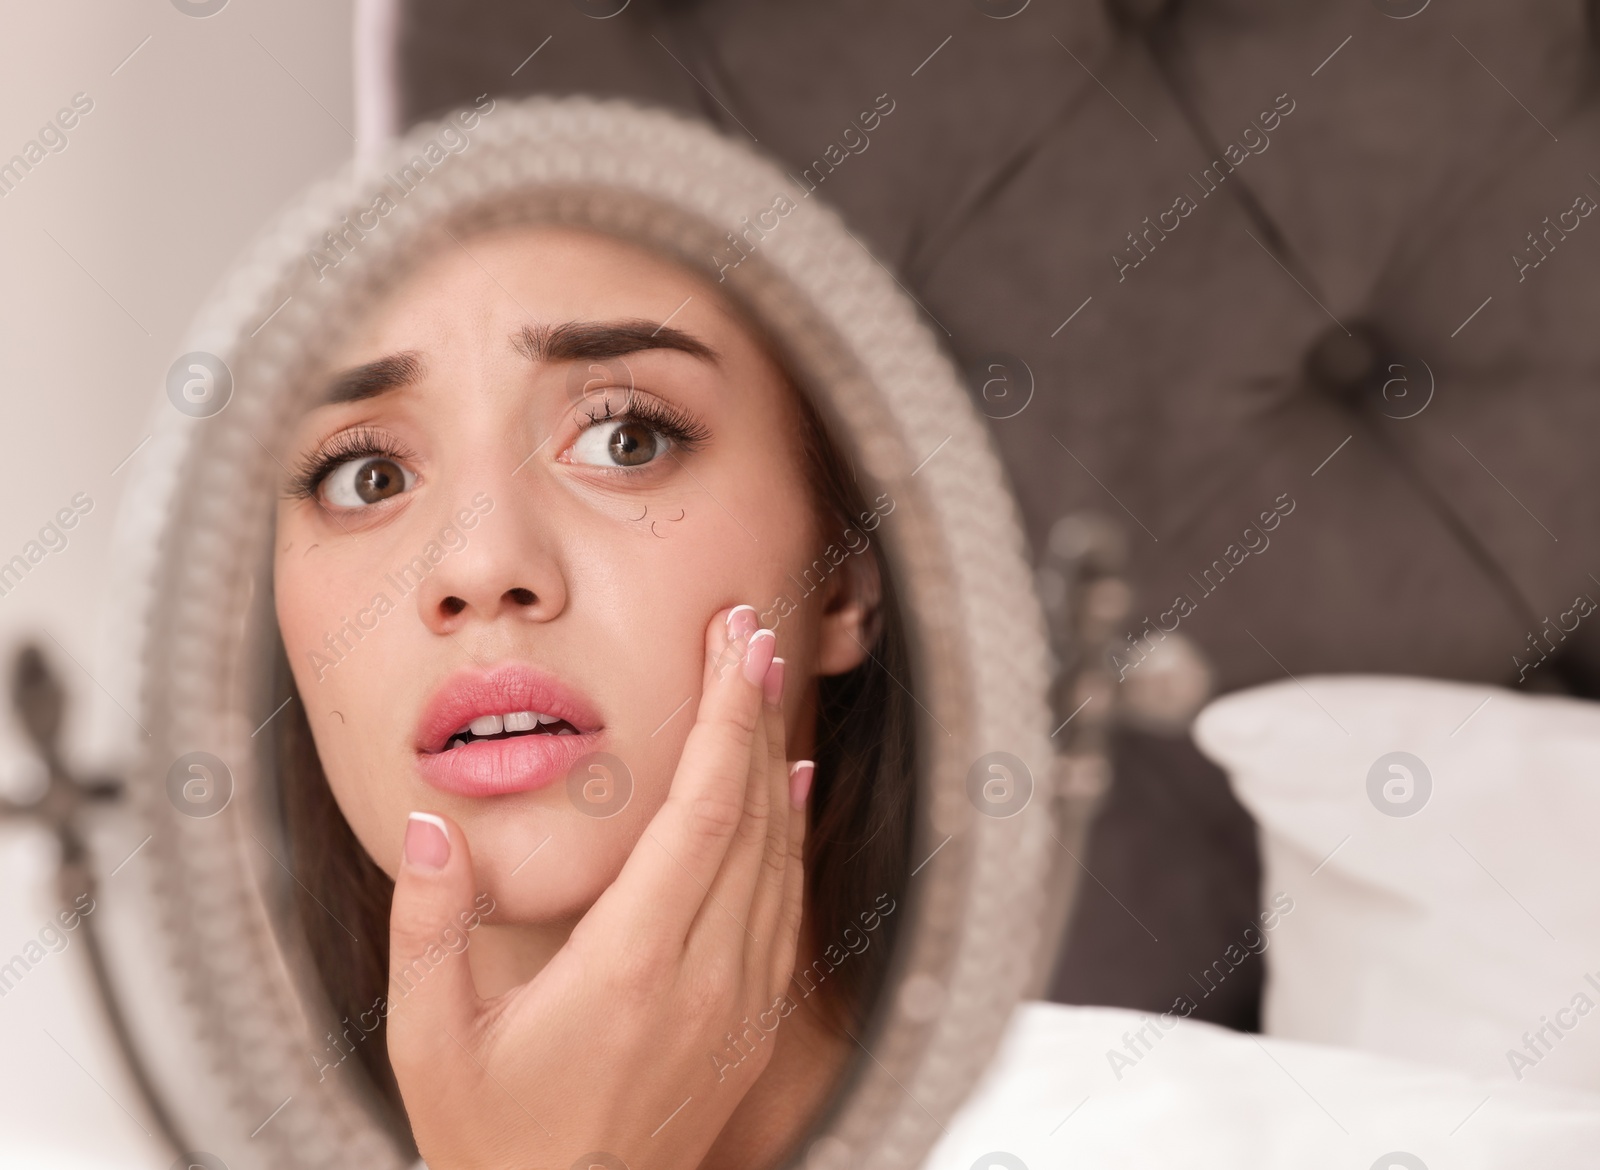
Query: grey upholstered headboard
{"x":1305,"y":293}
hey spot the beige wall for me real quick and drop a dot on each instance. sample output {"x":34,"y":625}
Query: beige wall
{"x":106,"y":250}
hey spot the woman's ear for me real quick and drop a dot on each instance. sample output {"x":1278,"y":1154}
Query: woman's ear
{"x":851,"y":614}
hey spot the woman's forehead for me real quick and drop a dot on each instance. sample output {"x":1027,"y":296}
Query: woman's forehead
{"x":542,"y":295}
{"x":541,"y":277}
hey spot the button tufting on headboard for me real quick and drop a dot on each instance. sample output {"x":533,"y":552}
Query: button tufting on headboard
{"x":1140,"y":14}
{"x":1348,"y":363}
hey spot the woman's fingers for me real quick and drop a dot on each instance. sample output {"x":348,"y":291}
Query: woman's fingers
{"x":433,"y":1002}
{"x":726,"y":925}
{"x":767,"y":901}
{"x":786,"y":937}
{"x":669,"y":874}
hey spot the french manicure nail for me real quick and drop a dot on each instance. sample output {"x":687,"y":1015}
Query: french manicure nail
{"x":800,"y":776}
{"x":772,"y":685}
{"x":427,"y":841}
{"x":758,"y":655}
{"x":741,"y":622}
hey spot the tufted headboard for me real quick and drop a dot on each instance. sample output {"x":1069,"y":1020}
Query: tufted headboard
{"x":1302,"y":295}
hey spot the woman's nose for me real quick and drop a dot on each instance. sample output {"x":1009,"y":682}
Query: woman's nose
{"x":453,"y":606}
{"x":504,"y":569}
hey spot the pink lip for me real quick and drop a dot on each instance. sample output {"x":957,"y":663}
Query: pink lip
{"x":496,"y":767}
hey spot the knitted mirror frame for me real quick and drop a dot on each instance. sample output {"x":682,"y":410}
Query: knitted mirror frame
{"x":223,"y":999}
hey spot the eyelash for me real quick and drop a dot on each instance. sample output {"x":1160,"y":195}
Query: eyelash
{"x":361,"y":443}
{"x":675,"y":423}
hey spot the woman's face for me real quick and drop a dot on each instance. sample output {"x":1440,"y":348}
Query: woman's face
{"x":535,"y":473}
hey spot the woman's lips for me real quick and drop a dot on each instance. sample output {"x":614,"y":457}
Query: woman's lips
{"x":494,"y":767}
{"x":519,"y":763}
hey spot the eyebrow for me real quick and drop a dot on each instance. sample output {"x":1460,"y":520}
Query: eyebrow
{"x":597,"y":340}
{"x":374,"y":378}
{"x":568,"y":341}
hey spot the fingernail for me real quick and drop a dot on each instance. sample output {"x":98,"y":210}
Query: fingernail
{"x":758,"y":655}
{"x":427,"y":842}
{"x":741,"y":622}
{"x":800,"y":774}
{"x":772,"y":685}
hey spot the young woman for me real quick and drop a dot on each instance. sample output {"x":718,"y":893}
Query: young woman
{"x":599,"y":719}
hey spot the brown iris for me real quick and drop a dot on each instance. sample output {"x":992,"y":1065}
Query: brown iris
{"x":378,"y":479}
{"x":631,"y":444}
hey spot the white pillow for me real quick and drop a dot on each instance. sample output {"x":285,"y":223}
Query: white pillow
{"x":1202,"y":1097}
{"x":1447,"y":902}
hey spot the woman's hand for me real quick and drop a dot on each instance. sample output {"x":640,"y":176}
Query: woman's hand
{"x":609,"y":1049}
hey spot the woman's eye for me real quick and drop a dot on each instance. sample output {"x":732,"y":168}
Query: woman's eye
{"x":619,"y":443}
{"x":370,"y":479}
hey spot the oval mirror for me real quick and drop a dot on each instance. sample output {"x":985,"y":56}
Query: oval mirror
{"x":279,"y":681}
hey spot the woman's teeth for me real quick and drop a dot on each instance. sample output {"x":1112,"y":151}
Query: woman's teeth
{"x":515,"y":723}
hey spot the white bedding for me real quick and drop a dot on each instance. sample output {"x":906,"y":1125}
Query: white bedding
{"x":1206,"y":1098}
{"x":1439,"y":840}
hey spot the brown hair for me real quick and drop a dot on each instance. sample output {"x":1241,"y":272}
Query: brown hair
{"x":857,"y":846}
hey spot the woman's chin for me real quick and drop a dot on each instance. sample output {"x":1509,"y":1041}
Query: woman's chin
{"x":558,"y":909}
{"x":543,"y":885}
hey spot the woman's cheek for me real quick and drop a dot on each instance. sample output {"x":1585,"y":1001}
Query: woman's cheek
{"x":656,"y":512}
{"x":328,"y":671}
{"x":329,"y":603}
